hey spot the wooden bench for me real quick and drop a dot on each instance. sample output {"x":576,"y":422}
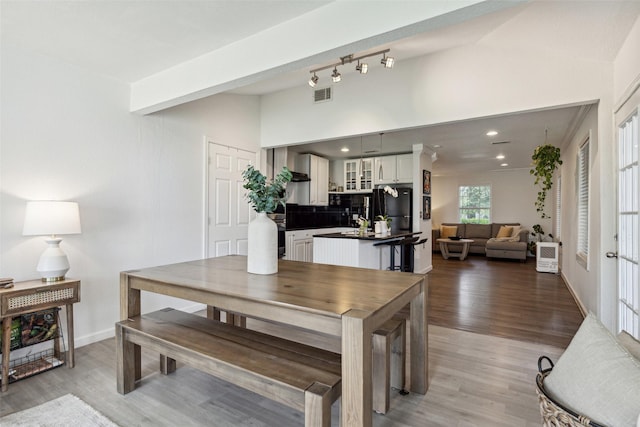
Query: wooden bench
{"x":302,"y":377}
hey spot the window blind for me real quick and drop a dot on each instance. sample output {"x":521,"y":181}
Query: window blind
{"x":583,"y":201}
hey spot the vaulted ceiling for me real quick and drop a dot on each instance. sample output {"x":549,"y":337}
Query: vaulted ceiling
{"x":176,"y":51}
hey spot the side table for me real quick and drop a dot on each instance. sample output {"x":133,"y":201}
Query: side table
{"x":444,"y":248}
{"x":35,"y":295}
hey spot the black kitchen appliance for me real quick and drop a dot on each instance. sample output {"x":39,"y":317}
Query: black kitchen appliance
{"x":399,"y":209}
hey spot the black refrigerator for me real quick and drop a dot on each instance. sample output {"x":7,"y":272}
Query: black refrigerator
{"x":397,"y":208}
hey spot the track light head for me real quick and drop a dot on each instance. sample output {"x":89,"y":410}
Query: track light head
{"x":313,"y":81}
{"x":362,"y":68}
{"x":336,"y":76}
{"x":387,"y":61}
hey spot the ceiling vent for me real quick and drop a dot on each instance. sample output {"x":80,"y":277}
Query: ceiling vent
{"x":500,"y":142}
{"x":322,"y":95}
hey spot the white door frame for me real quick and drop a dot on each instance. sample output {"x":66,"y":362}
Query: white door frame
{"x":623,"y":113}
{"x":207,"y":167}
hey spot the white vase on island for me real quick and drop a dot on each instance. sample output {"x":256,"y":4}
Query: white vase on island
{"x":381,"y":227}
{"x":262,"y":250}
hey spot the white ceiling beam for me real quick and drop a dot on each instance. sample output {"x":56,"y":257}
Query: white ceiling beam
{"x":321,"y":36}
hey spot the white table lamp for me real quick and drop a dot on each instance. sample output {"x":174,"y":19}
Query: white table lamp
{"x":52,"y":218}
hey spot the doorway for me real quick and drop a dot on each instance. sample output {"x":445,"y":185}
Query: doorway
{"x":628,"y":248}
{"x":227,"y":211}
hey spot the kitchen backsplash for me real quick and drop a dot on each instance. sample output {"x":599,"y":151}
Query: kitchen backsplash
{"x":339,"y":213}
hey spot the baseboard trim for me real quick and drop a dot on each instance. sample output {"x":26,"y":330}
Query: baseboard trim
{"x":581,"y":306}
{"x":110,"y":332}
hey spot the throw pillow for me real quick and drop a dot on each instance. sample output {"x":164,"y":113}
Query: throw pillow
{"x":516,"y":231}
{"x":597,"y":377}
{"x":448,"y":231}
{"x":630,"y":343}
{"x":505,"y":231}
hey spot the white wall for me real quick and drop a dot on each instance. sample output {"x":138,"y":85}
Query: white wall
{"x":512,"y":197}
{"x":583,"y":282}
{"x":68,"y":135}
{"x":627,"y":64}
{"x":468,"y":82}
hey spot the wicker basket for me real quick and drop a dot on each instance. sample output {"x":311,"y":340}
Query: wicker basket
{"x":553,"y":413}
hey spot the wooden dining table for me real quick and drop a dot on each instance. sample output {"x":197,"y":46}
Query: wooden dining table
{"x":346,"y":302}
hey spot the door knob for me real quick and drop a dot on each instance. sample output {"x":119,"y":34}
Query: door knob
{"x":611,"y":255}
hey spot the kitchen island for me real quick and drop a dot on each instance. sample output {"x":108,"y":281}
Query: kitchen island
{"x":351,"y":249}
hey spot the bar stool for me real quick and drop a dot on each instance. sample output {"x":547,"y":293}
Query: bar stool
{"x":411,"y":250}
{"x":392,"y":249}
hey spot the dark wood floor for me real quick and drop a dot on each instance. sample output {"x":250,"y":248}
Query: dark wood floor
{"x":504,"y":298}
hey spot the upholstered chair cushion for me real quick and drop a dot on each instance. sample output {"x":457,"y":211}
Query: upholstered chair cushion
{"x":597,"y":377}
{"x":630,"y":343}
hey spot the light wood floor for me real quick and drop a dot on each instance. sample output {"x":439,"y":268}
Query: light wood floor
{"x":475,"y":379}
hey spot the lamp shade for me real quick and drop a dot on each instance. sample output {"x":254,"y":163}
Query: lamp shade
{"x":51,"y":218}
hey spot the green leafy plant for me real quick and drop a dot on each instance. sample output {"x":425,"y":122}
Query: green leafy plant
{"x":546,"y":159}
{"x":265,"y":196}
{"x":384,"y":218}
{"x":538,"y":236}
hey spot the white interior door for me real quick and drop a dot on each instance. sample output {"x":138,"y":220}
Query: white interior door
{"x":228,"y":211}
{"x":628,"y":228}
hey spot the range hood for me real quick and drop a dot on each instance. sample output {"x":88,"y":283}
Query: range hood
{"x":299,"y":177}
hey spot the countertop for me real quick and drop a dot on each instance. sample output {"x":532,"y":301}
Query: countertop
{"x":368,"y":236}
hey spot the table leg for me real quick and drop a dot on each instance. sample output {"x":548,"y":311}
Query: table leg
{"x":356,"y":405}
{"x":444,"y":250}
{"x":465,"y":250}
{"x":71,"y":358}
{"x":130,"y":307}
{"x":419,"y":358}
{"x":6,"y":349}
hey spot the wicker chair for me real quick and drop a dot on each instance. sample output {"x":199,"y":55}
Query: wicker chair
{"x":553,"y":413}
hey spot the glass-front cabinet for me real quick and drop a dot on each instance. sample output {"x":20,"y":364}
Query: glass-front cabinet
{"x":358,"y":175}
{"x":351,"y":175}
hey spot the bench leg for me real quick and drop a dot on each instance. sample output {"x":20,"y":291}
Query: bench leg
{"x":399,"y":358}
{"x":125,"y":362}
{"x":317,"y":406}
{"x":388,"y":368}
{"x":167,"y":365}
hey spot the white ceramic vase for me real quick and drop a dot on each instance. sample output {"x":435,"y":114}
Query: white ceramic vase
{"x":262,"y":251}
{"x":381,"y":227}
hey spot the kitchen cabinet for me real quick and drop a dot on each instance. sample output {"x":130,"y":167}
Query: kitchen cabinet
{"x":299,"y":243}
{"x":393,"y":169}
{"x":316,"y":191}
{"x":358,"y":174}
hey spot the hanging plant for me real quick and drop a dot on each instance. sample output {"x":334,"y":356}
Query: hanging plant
{"x":546,"y":159}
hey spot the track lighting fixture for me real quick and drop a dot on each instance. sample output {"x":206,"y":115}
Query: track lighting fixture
{"x":313,"y":81}
{"x":336,"y":76}
{"x":361,"y":67}
{"x":387,"y":61}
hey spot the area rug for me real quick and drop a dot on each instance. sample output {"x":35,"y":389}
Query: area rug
{"x":64,"y":411}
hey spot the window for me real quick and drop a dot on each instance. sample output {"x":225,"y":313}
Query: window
{"x":557,"y":221}
{"x":475,"y":204}
{"x":583,"y":203}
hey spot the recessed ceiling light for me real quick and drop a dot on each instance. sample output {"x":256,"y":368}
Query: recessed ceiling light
{"x":500,"y":156}
{"x":344,"y":149}
{"x":504,"y":164}
{"x":492,"y":133}
{"x":437,"y":146}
